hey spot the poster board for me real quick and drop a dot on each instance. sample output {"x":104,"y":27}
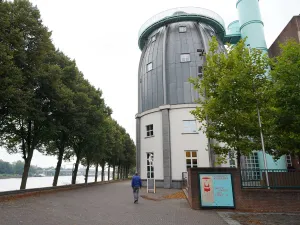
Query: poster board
{"x":216,"y":190}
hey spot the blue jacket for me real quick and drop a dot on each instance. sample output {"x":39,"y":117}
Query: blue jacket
{"x":136,"y":181}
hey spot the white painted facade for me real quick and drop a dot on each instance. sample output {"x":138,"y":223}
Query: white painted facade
{"x":180,"y":142}
{"x":152,"y":144}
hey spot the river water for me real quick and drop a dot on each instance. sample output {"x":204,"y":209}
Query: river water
{"x":37,"y":182}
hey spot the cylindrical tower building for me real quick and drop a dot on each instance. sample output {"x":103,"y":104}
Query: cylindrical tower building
{"x":172,"y":43}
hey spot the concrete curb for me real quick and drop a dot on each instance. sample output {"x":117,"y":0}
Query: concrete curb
{"x":11,"y":195}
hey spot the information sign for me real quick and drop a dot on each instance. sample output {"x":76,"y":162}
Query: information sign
{"x":216,"y":190}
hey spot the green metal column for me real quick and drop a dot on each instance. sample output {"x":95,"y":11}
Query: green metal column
{"x":251,"y":24}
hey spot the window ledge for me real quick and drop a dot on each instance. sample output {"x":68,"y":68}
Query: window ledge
{"x":191,"y":133}
{"x":149,"y":136}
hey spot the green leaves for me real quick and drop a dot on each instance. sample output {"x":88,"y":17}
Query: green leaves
{"x":233,"y":86}
{"x":286,"y":78}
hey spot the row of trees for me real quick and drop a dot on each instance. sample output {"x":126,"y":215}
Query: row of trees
{"x":239,"y":84}
{"x":46,"y":104}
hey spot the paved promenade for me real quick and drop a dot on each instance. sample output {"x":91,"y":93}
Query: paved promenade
{"x":108,"y":204}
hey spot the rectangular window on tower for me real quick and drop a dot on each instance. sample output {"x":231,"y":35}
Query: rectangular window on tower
{"x":190,"y":127}
{"x":185,"y":57}
{"x":149,"y":67}
{"x":150,"y":165}
{"x":191,"y":159}
{"x":149,"y":130}
{"x":289,"y":161}
{"x":153,"y":38}
{"x":200,"y":72}
{"x":182,"y":29}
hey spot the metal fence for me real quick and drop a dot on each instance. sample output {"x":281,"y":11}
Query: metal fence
{"x":278,"y":178}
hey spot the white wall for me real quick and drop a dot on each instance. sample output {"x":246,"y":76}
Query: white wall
{"x":181,"y":142}
{"x":152,"y":144}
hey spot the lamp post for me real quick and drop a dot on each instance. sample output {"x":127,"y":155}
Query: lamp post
{"x":261,"y":134}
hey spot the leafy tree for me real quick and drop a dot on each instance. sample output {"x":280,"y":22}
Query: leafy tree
{"x":5,"y":168}
{"x":10,"y":75}
{"x":26,"y":127}
{"x":90,"y":112}
{"x":62,"y":108}
{"x":286,"y":77}
{"x":234,"y":85}
{"x":18,"y":167}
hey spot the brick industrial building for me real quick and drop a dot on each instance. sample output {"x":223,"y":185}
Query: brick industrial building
{"x":291,"y":31}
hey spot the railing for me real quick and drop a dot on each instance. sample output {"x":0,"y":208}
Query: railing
{"x":182,"y":10}
{"x":278,"y":178}
{"x":184,"y":180}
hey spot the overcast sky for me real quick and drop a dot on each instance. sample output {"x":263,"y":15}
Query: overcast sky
{"x":102,"y":36}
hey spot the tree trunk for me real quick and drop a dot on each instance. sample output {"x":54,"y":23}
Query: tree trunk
{"x":114,"y":172}
{"x":96,"y":173}
{"x":87,"y":172}
{"x":108,"y":173}
{"x":74,"y":174}
{"x":58,"y":166}
{"x":121,"y":173}
{"x":102,"y":172}
{"x":118,"y":175}
{"x":25,"y":173}
{"x":238,"y":158}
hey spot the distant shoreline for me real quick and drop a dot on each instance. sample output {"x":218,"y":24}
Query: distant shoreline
{"x":3,"y":176}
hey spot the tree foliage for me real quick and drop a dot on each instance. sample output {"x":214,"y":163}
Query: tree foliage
{"x":286,"y":78}
{"x":233,"y":86}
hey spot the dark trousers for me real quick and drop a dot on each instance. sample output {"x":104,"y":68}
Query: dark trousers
{"x":136,"y":193}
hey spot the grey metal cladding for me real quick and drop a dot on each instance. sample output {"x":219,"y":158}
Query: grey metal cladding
{"x":178,"y":89}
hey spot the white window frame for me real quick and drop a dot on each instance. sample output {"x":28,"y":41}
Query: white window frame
{"x":150,"y":166}
{"x":289,"y":161}
{"x":189,"y":129}
{"x":182,"y":29}
{"x":149,"y":131}
{"x":252,"y":164}
{"x":185,"y":57}
{"x":149,"y":66}
{"x":191,"y":157}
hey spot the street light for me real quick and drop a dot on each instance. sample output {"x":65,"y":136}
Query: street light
{"x":261,"y":136}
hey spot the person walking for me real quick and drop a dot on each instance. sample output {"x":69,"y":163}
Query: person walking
{"x":136,"y":184}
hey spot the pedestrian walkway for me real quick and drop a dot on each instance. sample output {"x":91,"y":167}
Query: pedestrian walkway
{"x":108,"y":204}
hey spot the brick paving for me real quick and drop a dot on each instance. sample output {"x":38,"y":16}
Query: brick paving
{"x":108,"y":204}
{"x":263,"y":218}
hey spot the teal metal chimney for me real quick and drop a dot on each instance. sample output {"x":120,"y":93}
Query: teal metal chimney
{"x":251,"y":25}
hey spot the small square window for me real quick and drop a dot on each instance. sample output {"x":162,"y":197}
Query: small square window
{"x":191,"y":160}
{"x":149,"y":130}
{"x":149,"y":67}
{"x":182,"y":29}
{"x":189,"y":126}
{"x":153,"y":38}
{"x":185,"y":58}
